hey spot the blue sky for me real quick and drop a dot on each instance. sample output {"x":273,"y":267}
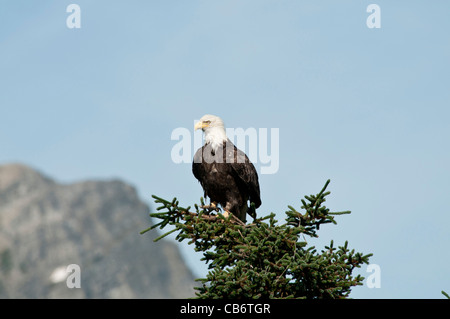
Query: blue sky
{"x":366,"y":108}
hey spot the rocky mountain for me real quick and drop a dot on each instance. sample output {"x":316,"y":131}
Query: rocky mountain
{"x":46,"y":226}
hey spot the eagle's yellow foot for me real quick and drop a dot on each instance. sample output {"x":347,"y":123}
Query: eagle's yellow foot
{"x":210,"y":207}
{"x":233,"y":218}
{"x":225,"y":214}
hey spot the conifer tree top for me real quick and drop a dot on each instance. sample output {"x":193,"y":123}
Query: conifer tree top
{"x":263,"y":259}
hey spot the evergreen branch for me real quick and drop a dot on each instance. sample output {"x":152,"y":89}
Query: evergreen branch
{"x":164,"y":235}
{"x":340,"y":213}
{"x":263,"y":259}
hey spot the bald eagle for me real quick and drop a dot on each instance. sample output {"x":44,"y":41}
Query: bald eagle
{"x":225,"y":173}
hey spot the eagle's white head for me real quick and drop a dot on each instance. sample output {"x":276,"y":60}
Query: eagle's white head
{"x":214,"y":130}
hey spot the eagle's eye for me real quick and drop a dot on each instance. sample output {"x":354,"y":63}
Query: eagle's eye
{"x":207,"y":122}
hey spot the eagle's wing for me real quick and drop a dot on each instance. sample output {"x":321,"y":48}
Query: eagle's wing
{"x":245,"y":170}
{"x":197,"y":168}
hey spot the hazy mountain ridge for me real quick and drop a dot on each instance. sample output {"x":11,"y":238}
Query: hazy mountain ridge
{"x":94,"y":224}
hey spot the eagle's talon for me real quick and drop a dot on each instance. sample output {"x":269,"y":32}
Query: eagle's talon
{"x":211,"y":207}
{"x":225,"y":215}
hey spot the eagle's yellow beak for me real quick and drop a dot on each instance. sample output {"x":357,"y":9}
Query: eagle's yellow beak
{"x":200,"y":125}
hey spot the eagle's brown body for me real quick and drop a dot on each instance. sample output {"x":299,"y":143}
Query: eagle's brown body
{"x":227,"y":177}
